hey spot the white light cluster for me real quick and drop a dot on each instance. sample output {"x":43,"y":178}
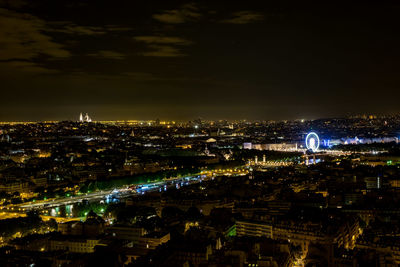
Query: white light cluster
{"x":312,"y":141}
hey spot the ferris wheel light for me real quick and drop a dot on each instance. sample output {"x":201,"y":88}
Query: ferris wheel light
{"x":312,"y":141}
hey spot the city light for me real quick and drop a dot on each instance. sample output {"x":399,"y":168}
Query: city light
{"x":312,"y":141}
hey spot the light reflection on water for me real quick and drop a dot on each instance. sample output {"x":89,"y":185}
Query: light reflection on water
{"x":69,"y":210}
{"x":62,"y":211}
{"x":54,"y":211}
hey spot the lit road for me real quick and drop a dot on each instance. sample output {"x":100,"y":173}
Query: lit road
{"x":124,"y":192}
{"x":98,"y":195}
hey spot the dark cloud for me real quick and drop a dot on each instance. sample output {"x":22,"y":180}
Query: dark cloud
{"x":118,"y":28}
{"x":163,"y":46}
{"x":71,"y":28}
{"x":27,"y":67}
{"x":25,"y":38}
{"x":141,"y":76}
{"x":22,"y":37}
{"x":244,"y":17}
{"x":163,"y":51}
{"x":187,"y":12}
{"x":163,"y":40}
{"x":13,"y":3}
{"x":108,"y":54}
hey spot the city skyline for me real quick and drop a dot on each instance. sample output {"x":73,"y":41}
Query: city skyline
{"x":183,"y":60}
{"x":82,"y":118}
{"x":199,"y":133}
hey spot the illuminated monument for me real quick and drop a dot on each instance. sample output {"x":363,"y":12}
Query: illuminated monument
{"x":312,"y":141}
{"x":85,"y":118}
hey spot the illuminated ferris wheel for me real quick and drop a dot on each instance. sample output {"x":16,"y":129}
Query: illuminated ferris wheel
{"x":312,"y":141}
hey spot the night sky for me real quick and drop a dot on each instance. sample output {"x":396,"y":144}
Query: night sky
{"x":211,"y":59}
